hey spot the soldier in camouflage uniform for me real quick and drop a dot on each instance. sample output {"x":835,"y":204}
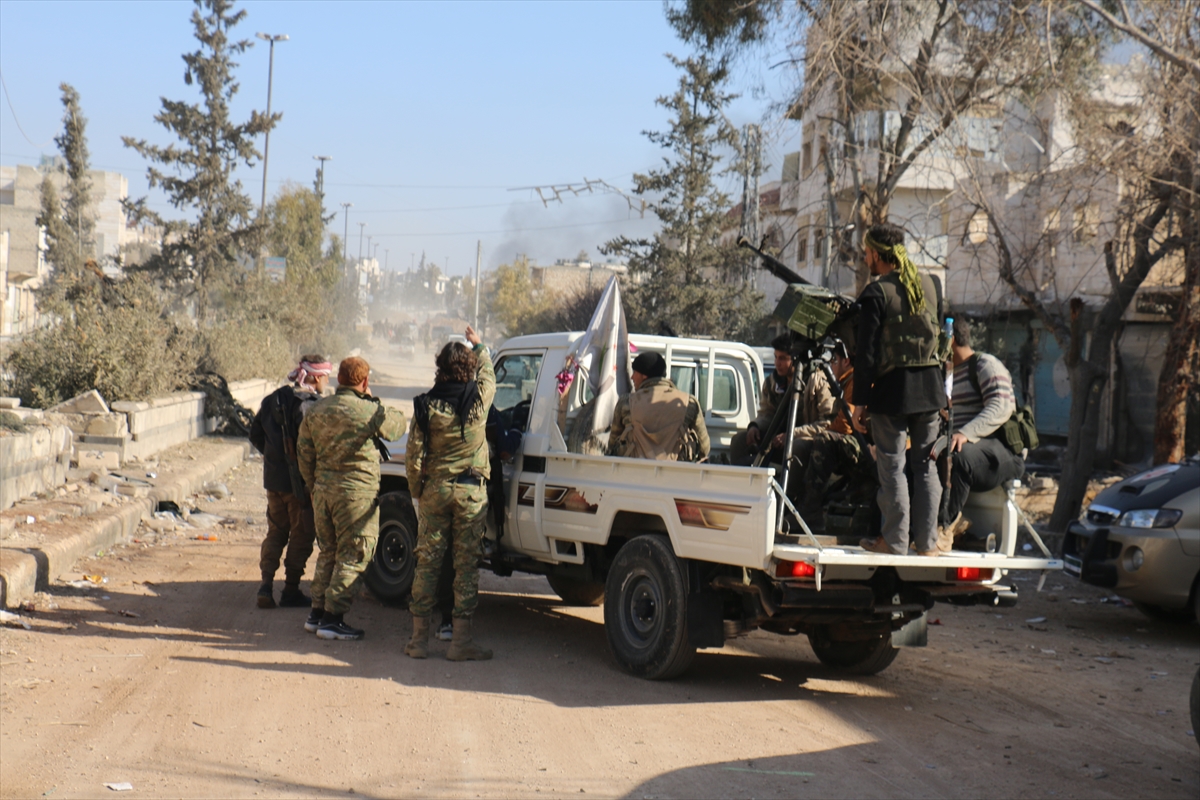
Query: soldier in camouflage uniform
{"x":448,"y":467}
{"x":339,"y":459}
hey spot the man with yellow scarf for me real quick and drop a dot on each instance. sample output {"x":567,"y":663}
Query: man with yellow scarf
{"x":899,"y":389}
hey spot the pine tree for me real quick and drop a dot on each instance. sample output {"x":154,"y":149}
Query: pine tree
{"x":197,"y":173}
{"x":72,"y":143}
{"x":689,"y":280}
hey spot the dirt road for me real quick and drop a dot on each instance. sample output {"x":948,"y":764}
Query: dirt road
{"x":168,"y":677}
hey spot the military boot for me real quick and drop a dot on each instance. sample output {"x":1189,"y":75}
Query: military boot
{"x":418,"y":645}
{"x":266,"y":597}
{"x":461,"y":647}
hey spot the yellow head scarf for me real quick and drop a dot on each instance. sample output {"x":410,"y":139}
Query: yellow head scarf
{"x":906,"y":271}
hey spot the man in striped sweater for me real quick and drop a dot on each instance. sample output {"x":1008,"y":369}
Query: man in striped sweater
{"x":983,"y":401}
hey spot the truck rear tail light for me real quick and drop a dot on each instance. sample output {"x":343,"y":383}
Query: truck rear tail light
{"x":795,"y":569}
{"x":968,"y":574}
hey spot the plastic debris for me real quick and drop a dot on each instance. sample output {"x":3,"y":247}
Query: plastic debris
{"x":202,"y":519}
{"x":130,"y":614}
{"x":29,"y":520}
{"x":9,"y":618}
{"x":124,"y":786}
{"x":151,"y":474}
{"x":217,"y":490}
{"x":97,"y":579}
{"x":206,"y":537}
{"x":1035,"y":620}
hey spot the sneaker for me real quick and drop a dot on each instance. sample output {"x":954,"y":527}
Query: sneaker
{"x":336,"y":628}
{"x":292,"y":597}
{"x":446,"y":631}
{"x":314,"y":620}
{"x":265,"y":597}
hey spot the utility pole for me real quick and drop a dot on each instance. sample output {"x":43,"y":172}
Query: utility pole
{"x":266,"y":37}
{"x":751,"y":167}
{"x":369,"y":247}
{"x":346,"y":232}
{"x":361,"y":226}
{"x":478,"y":260}
{"x":320,"y":182}
{"x":385,"y":259}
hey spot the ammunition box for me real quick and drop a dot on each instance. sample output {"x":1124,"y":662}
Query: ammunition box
{"x":810,"y":310}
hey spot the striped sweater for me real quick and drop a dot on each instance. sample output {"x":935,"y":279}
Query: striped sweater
{"x":978,"y":416}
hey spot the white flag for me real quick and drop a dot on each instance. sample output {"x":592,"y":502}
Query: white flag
{"x":601,"y":357}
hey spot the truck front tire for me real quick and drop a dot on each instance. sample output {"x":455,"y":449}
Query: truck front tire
{"x":389,"y":576}
{"x":645,"y":610}
{"x":863,"y":657}
{"x":575,"y":592}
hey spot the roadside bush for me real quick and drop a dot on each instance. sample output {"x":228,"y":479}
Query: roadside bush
{"x":116,"y":338}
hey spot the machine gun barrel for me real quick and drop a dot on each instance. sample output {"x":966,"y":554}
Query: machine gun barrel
{"x":773,"y":265}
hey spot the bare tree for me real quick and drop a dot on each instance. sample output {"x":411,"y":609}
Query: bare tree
{"x":894,"y":83}
{"x":1138,"y":161}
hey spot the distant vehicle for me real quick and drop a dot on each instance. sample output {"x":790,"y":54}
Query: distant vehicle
{"x":1141,"y":539}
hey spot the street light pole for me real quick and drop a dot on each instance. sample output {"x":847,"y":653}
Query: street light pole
{"x":361,"y":226}
{"x":369,"y":247}
{"x":266,"y":37}
{"x":320,"y":187}
{"x":346,"y":232}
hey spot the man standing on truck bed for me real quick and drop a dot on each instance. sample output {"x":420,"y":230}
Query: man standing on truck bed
{"x":983,"y":402}
{"x":339,"y":459}
{"x":899,"y":384}
{"x":289,"y":507}
{"x":448,"y":468}
{"x":657,"y":420}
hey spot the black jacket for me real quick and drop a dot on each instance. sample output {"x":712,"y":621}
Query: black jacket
{"x":278,"y":421}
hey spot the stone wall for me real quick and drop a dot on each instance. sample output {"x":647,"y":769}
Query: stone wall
{"x":95,"y":436}
{"x":33,"y":461}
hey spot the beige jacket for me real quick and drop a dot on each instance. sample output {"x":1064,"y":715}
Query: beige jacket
{"x":659,"y":422}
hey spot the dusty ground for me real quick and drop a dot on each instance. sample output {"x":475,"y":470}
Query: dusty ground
{"x":168,"y":677}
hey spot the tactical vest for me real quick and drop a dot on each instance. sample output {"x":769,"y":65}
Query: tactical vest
{"x":907,"y":340}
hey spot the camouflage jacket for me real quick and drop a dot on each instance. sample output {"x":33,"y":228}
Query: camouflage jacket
{"x":451,"y":448}
{"x":816,"y":403}
{"x":335,"y":448}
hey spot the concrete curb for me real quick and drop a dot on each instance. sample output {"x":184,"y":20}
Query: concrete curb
{"x":24,"y":571}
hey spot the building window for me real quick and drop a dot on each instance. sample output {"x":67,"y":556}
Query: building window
{"x":977,"y":227}
{"x":819,"y":239}
{"x":1050,"y":231}
{"x":806,"y":158}
{"x":802,"y":248}
{"x":1086,"y":223}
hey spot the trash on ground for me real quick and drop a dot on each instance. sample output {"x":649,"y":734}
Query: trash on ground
{"x":218,"y":490}
{"x":206,"y":537}
{"x":131,"y":614}
{"x":151,"y":474}
{"x":1035,"y":620}
{"x":124,"y":786}
{"x":202,"y":519}
{"x":97,"y":579}
{"x":9,"y":618}
{"x":78,"y":584}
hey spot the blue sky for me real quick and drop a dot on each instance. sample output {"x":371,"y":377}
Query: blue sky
{"x":432,"y":112}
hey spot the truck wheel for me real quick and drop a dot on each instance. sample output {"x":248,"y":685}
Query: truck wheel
{"x":855,"y":658}
{"x":575,"y":592}
{"x":1195,"y":705}
{"x":645,"y":613}
{"x":389,"y":576}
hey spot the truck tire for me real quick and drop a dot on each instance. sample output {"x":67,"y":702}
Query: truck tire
{"x":645,"y":610}
{"x":575,"y":592}
{"x":1194,"y":702}
{"x":389,"y":576}
{"x":855,"y":658}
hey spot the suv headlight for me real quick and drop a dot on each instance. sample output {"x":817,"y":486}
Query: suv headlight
{"x":1150,"y":518}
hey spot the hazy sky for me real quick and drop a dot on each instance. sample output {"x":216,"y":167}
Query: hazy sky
{"x":432,"y":112}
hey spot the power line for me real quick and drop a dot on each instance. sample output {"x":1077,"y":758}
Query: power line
{"x":8,"y":98}
{"x":513,"y":230}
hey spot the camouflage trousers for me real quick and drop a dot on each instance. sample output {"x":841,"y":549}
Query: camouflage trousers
{"x":347,"y":529}
{"x":457,"y":513}
{"x":289,"y":525}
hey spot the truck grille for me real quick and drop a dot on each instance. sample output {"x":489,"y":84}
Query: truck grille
{"x":1098,"y":517}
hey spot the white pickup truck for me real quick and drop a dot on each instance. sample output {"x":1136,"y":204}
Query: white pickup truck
{"x":686,"y":556}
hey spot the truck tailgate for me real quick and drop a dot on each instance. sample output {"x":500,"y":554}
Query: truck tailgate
{"x":851,"y":563}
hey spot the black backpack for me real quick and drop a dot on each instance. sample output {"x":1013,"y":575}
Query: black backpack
{"x":1019,"y":432}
